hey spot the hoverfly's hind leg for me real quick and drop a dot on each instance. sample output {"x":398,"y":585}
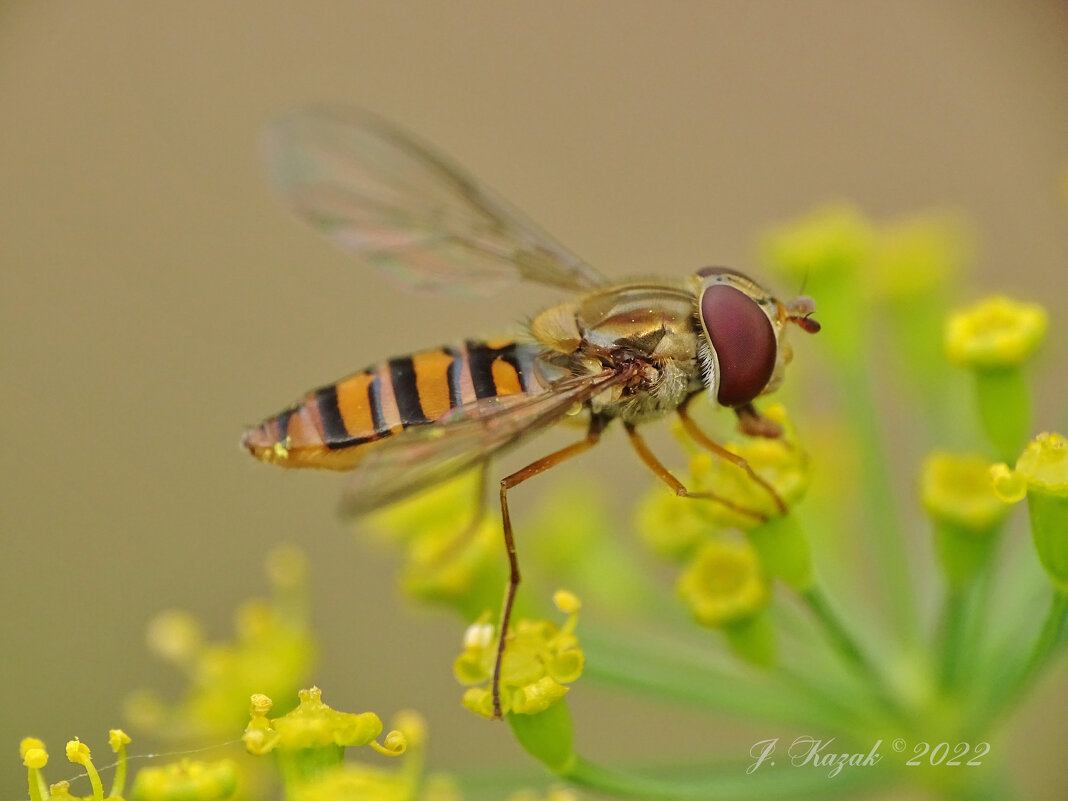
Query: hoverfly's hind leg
{"x":654,"y":464}
{"x":702,"y":439}
{"x":593,"y":434}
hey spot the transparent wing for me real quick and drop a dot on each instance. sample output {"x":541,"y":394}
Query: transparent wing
{"x":401,"y":207}
{"x":469,"y":436}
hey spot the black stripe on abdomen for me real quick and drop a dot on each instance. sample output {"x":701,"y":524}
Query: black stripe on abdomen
{"x":480,"y":358}
{"x":335,"y":434}
{"x":406,"y":392}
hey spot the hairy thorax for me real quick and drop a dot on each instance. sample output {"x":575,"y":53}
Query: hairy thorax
{"x":646,"y":328}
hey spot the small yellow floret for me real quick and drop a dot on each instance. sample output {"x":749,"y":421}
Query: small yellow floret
{"x":566,"y":602}
{"x":724,"y":584}
{"x":1044,"y":463}
{"x":957,"y":489}
{"x":919,"y":254}
{"x":78,"y":752}
{"x":35,"y":758}
{"x":832,"y":241}
{"x":27,"y":743}
{"x":117,"y":738}
{"x":412,"y":725}
{"x":187,"y":781}
{"x":175,"y":635}
{"x":1009,"y":486}
{"x":997,"y":333}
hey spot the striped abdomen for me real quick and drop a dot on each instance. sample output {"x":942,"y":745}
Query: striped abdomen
{"x":326,"y":428}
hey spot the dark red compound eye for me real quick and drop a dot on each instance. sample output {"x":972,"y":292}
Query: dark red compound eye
{"x":744,"y":342}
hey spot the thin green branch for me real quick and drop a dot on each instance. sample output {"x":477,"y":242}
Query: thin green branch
{"x":662,"y":674}
{"x":878,"y":501}
{"x":850,"y":651}
{"x":730,"y":783}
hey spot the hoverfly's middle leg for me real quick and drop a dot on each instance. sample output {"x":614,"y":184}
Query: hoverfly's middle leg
{"x":702,"y":439}
{"x":593,"y":434}
{"x":654,"y":464}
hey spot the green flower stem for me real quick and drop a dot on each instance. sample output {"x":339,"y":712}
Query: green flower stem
{"x":1049,"y":638}
{"x":1014,"y":678}
{"x":849,"y":650}
{"x":665,"y":675}
{"x":841,"y":705}
{"x":881,"y":519}
{"x":725,"y":782}
{"x":955,"y":616}
{"x":1004,"y":401}
{"x":38,"y":792}
{"x":118,"y":781}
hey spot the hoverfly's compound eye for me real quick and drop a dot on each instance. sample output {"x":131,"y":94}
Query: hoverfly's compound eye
{"x":743,"y":339}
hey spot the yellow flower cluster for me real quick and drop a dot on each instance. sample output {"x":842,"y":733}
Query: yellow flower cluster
{"x":186,"y":780}
{"x":452,"y":554}
{"x":780,"y":462}
{"x":540,"y":659}
{"x":273,"y":650}
{"x":313,"y":724}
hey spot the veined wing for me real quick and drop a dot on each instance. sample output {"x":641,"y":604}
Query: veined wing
{"x":471,"y":434}
{"x":398,"y":205}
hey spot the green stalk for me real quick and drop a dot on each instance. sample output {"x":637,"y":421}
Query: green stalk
{"x":953,"y":634}
{"x":849,"y":650}
{"x":658,"y":673}
{"x":881,"y":521}
{"x":1006,"y":688}
{"x":1048,"y":639}
{"x":730,"y":783}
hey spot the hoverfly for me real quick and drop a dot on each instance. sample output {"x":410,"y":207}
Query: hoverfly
{"x":635,"y":350}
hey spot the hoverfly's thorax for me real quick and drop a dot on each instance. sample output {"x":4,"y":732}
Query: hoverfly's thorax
{"x":647,"y":320}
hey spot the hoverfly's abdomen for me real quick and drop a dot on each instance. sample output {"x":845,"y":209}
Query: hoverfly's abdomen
{"x":328,"y":426}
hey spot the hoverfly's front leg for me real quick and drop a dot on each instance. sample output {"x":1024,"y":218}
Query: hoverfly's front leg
{"x":654,"y":464}
{"x":753,"y":424}
{"x":593,"y":434}
{"x":702,"y":439}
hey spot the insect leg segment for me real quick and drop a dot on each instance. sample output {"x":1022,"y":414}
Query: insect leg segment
{"x":752,"y":423}
{"x":702,"y":439}
{"x":593,"y":434}
{"x":654,"y":464}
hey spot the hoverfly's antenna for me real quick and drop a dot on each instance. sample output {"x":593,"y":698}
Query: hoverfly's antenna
{"x":799,"y":311}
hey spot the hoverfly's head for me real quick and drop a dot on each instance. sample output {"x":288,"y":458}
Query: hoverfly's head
{"x":744,"y":351}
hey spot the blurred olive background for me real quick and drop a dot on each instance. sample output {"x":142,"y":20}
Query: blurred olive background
{"x":156,"y":299}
